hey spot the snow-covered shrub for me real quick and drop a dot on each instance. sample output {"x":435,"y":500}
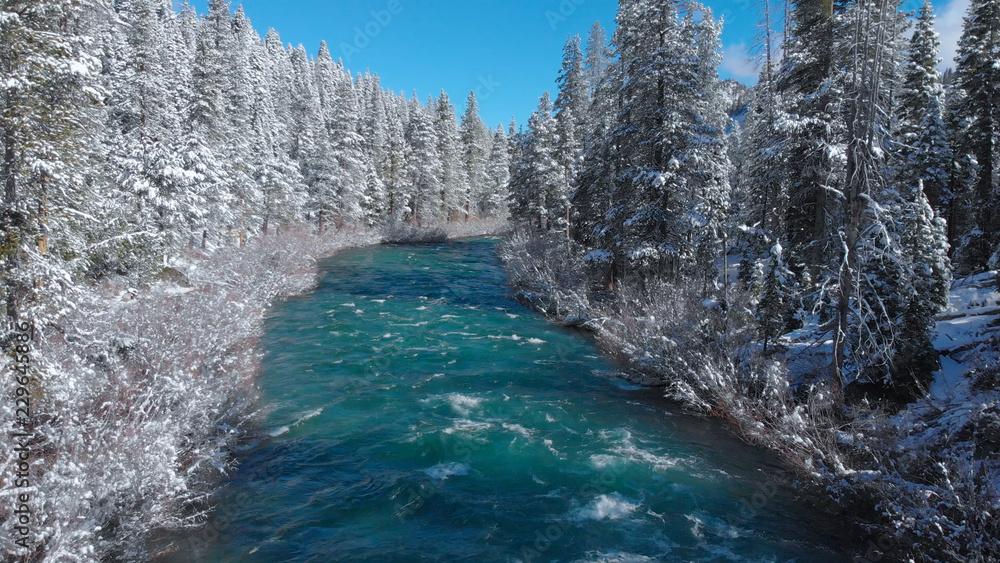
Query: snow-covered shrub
{"x":925,"y":489}
{"x":547,"y":273}
{"x":141,"y":394}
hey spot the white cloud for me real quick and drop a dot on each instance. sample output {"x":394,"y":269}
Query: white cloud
{"x":737,"y":62}
{"x":949,"y":25}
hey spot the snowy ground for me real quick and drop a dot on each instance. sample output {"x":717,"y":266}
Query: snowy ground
{"x":964,"y":335}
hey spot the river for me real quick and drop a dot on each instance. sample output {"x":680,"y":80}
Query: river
{"x":419,"y":414}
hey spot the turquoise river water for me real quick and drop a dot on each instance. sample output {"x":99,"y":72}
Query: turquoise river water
{"x":419,"y":414}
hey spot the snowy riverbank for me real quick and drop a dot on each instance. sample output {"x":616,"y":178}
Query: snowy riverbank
{"x":921,"y":483}
{"x":142,"y":393}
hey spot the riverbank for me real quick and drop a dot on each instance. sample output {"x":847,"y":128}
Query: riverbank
{"x":142,"y":391}
{"x":918,"y":484}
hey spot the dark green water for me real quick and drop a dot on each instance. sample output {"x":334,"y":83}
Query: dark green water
{"x":421,"y":415}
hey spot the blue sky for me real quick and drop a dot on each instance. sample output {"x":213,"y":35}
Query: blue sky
{"x":509,"y":51}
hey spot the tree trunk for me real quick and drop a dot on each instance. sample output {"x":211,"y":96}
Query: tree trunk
{"x":43,"y":218}
{"x":12,"y":221}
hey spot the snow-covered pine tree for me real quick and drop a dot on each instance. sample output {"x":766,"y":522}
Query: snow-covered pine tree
{"x":574,"y":95}
{"x":46,"y":106}
{"x":922,"y":138}
{"x":250,"y":121}
{"x":310,"y":142}
{"x":275,"y":195}
{"x":813,"y":135}
{"x":771,"y":282}
{"x":597,"y":59}
{"x":373,"y":123}
{"x":978,"y":75}
{"x":572,"y":108}
{"x":374,"y":200}
{"x":494,"y":203}
{"x":142,"y":117}
{"x":598,"y":168}
{"x":208,"y":140}
{"x":280,"y":81}
{"x":541,"y":196}
{"x":452,"y":182}
{"x":394,"y":174}
{"x":339,"y":108}
{"x":475,"y":152}
{"x":924,"y":242}
{"x":706,"y":155}
{"x":656,"y":89}
{"x":424,"y":166}
{"x":961,"y":172}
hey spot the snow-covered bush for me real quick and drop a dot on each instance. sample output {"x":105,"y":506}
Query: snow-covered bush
{"x":142,"y":392}
{"x":547,"y":273}
{"x":922,"y":484}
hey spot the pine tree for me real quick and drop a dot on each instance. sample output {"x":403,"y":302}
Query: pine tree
{"x":923,"y":144}
{"x":46,"y":102}
{"x":539,"y":187}
{"x":311,"y":143}
{"x":925,"y":245}
{"x":707,"y":152}
{"x":475,"y":152}
{"x":373,"y":203}
{"x":872,"y":273}
{"x":250,"y":117}
{"x":494,"y":203}
{"x":374,"y":123}
{"x":961,"y":174}
{"x":597,"y":59}
{"x":280,"y":80}
{"x":210,"y":134}
{"x":452,"y":181}
{"x":572,"y":109}
{"x":573,"y":101}
{"x":649,"y":201}
{"x":340,"y":110}
{"x":425,"y":167}
{"x":978,"y":75}
{"x":773,"y":280}
{"x":143,"y":117}
{"x":394,"y":174}
{"x":813,"y":135}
